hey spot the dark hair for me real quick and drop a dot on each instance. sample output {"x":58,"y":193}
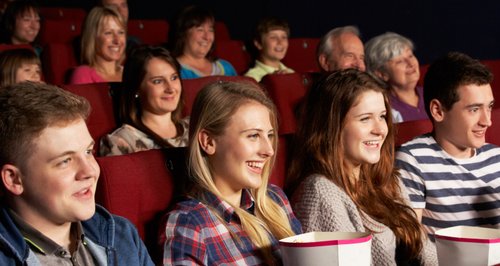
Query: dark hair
{"x":134,"y":71}
{"x":318,"y":149}
{"x":449,"y":72}
{"x":191,"y":16}
{"x":268,"y":24}
{"x":9,"y":17}
{"x":26,"y":109}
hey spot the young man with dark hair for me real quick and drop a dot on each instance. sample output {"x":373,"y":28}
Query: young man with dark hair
{"x":451,"y":175}
{"x":49,"y":177}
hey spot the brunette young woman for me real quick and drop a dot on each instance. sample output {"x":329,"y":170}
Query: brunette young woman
{"x":342,"y":171}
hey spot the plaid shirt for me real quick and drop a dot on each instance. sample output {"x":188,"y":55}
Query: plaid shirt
{"x":195,"y":236}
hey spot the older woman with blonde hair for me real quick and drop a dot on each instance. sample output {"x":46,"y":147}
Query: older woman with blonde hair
{"x":390,"y":57}
{"x":102,"y":47}
{"x":232,"y":215}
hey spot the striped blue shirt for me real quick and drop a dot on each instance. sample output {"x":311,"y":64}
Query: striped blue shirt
{"x":451,"y":191}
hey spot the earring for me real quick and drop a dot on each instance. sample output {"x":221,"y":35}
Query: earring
{"x":136,"y":96}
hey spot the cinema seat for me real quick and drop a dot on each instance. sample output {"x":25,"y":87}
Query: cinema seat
{"x":287,"y":91}
{"x":407,"y":130}
{"x":235,"y":52}
{"x":58,"y":60}
{"x":149,"y":31}
{"x":59,"y":30}
{"x":221,"y":31}
{"x":191,"y":87}
{"x":101,"y":120}
{"x":140,"y":187}
{"x":62,"y":13}
{"x":301,"y":55}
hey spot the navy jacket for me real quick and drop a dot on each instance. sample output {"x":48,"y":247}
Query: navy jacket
{"x":111,"y":239}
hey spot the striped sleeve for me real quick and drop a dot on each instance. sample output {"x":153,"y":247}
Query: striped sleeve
{"x":412,"y":177}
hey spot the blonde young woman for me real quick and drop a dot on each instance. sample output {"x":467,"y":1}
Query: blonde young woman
{"x":232,"y":215}
{"x":102,"y":47}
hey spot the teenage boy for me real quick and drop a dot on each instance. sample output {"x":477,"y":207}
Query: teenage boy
{"x":452,"y":176}
{"x":49,"y":175}
{"x":271,"y":41}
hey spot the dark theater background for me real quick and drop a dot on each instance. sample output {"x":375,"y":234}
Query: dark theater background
{"x":436,"y":26}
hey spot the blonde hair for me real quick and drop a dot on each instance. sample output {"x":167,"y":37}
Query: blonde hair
{"x":93,"y":27}
{"x":213,"y":108}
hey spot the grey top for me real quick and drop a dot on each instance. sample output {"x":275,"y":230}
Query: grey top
{"x":320,"y":205}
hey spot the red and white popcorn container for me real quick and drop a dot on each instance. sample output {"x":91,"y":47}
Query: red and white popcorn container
{"x":327,"y":248}
{"x":468,"y":245}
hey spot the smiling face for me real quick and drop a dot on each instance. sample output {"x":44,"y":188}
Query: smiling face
{"x":241,"y":152}
{"x":365,"y":129}
{"x":462,"y":128}
{"x":347,"y":52}
{"x":199,"y":39}
{"x":110,"y":41}
{"x":60,"y":178}
{"x":161,"y":87}
{"x":29,"y":72}
{"x":273,"y":46}
{"x":402,"y":71}
{"x":26,"y":28}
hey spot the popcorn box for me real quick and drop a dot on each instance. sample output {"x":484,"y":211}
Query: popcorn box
{"x":327,"y":248}
{"x":468,"y":245}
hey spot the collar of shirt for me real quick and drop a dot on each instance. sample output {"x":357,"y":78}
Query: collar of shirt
{"x":225,"y":210}
{"x":268,"y":68}
{"x":39,"y":241}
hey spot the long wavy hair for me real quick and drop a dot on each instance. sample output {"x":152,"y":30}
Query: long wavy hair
{"x":319,"y":150}
{"x":214,"y":106}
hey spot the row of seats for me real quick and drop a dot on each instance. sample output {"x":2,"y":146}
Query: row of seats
{"x":150,"y":31}
{"x":286,"y":90}
{"x":125,"y":184}
{"x":59,"y":59}
{"x":62,"y":25}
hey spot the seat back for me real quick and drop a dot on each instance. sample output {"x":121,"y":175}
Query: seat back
{"x":493,"y":132}
{"x":407,"y":130}
{"x":301,"y":55}
{"x":58,"y":60}
{"x":140,"y":187}
{"x":60,"y":30}
{"x":494,"y":66}
{"x":278,"y":175}
{"x":287,"y":91}
{"x":235,"y":52}
{"x":149,"y":31}
{"x":101,"y":120}
{"x":423,"y":71}
{"x":221,"y":31}
{"x":191,"y":87}
{"x":4,"y":47}
{"x":62,"y":13}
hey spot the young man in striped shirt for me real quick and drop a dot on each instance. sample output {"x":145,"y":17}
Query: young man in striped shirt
{"x":451,"y":175}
